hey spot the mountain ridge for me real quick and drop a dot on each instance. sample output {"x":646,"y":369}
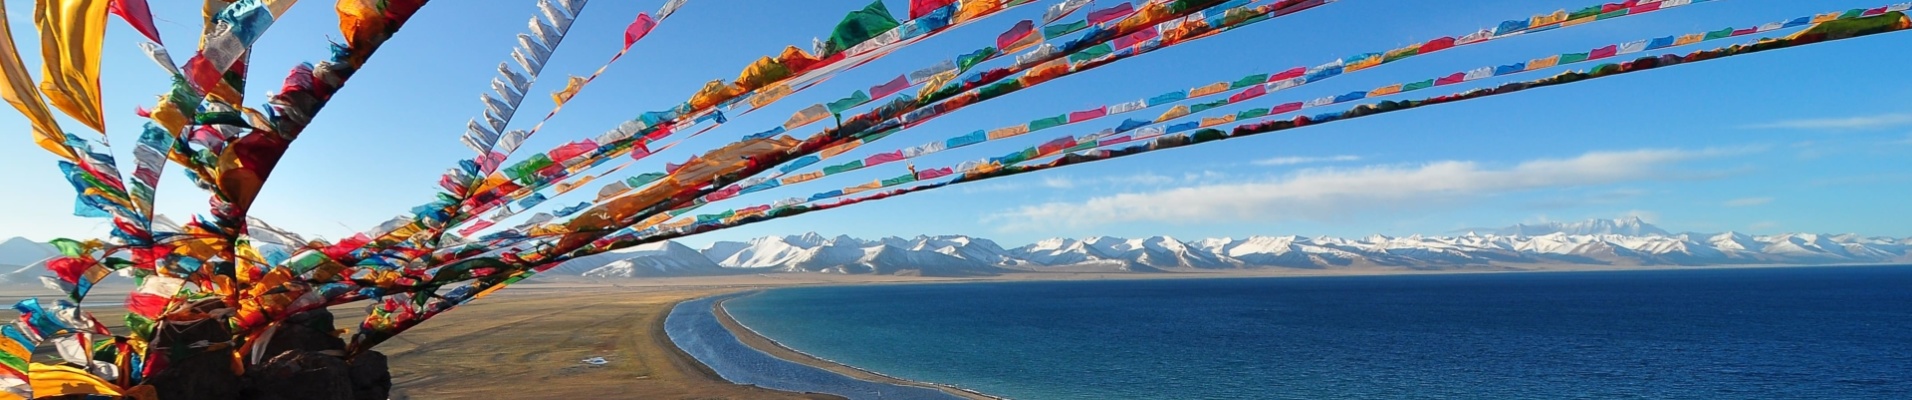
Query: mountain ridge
{"x":1621,"y":242}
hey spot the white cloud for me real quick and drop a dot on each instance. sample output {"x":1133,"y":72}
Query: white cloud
{"x":1325,"y":194}
{"x":1849,"y":123}
{"x":1279,"y":161}
{"x":1749,"y":202}
{"x":1057,"y":182}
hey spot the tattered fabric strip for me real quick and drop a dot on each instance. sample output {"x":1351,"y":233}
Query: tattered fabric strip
{"x":1257,"y":85}
{"x":1209,"y":135}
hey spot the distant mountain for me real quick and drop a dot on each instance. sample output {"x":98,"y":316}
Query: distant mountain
{"x":1631,"y":226}
{"x":22,"y":252}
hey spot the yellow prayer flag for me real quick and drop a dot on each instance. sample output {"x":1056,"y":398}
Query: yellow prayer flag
{"x":20,"y":91}
{"x":1173,"y":113}
{"x":71,"y":32}
{"x":1386,"y":90}
{"x":570,"y":90}
{"x":1539,"y":63}
{"x":1008,"y":132}
{"x":1217,"y":87}
{"x":61,"y":380}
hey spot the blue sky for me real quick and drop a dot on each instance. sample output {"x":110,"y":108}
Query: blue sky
{"x":1814,"y":139}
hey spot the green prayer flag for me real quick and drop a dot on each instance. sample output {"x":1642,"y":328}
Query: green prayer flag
{"x":880,"y":135}
{"x":1047,"y":123}
{"x":1052,"y":31}
{"x":899,"y":180}
{"x":1719,"y":34}
{"x":1591,"y":11}
{"x":998,"y":89}
{"x":1418,"y":85}
{"x":643,"y":179}
{"x":67,"y":247}
{"x":847,"y":103}
{"x":1616,"y":13}
{"x":1091,"y":53}
{"x":1250,"y":80}
{"x":846,"y":167}
{"x":860,"y":26}
{"x":1572,"y":58}
{"x":1255,"y":113}
{"x":964,"y":62}
{"x":1207,"y":106}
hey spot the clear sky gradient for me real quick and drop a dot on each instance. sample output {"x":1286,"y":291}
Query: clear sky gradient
{"x":1815,"y":139}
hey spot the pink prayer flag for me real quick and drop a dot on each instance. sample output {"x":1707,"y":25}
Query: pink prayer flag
{"x":640,"y":27}
{"x":934,"y":173}
{"x":135,"y":13}
{"x":1110,"y":14}
{"x":1604,"y":52}
{"x":1015,"y":34}
{"x":1080,"y":116}
{"x":892,"y":87}
{"x":880,"y":158}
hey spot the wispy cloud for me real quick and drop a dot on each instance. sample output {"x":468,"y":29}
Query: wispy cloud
{"x":1326,"y":194}
{"x":1846,"y":123}
{"x":1749,"y":202}
{"x":1279,"y":161}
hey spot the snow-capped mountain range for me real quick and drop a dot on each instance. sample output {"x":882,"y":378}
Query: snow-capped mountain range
{"x":1622,"y":242}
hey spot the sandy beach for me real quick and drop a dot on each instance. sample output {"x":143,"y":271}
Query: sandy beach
{"x":533,"y":343}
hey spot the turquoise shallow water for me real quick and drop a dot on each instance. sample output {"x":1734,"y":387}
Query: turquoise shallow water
{"x":1804,"y":333}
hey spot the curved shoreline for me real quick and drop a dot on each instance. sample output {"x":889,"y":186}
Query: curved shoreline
{"x":694,"y":328}
{"x":777,"y":349}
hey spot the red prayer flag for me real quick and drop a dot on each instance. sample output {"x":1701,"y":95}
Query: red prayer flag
{"x":1644,"y":8}
{"x":1015,"y":33}
{"x":641,"y":150}
{"x":1136,"y":38}
{"x":1057,"y":145}
{"x":475,"y":227}
{"x":1286,"y":108}
{"x":1098,"y":17}
{"x":1080,"y":116}
{"x":919,"y":8}
{"x":1297,"y":72}
{"x":638,"y":28}
{"x":572,"y":150}
{"x":1437,"y":45}
{"x":892,"y":87}
{"x":201,"y":73}
{"x":1604,"y":52}
{"x":1457,"y":77}
{"x":1252,"y":92}
{"x":135,"y":13}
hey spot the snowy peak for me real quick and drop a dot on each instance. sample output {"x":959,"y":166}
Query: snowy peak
{"x":1630,"y":226}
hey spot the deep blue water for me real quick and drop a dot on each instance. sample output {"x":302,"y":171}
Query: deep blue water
{"x":1777,"y":333}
